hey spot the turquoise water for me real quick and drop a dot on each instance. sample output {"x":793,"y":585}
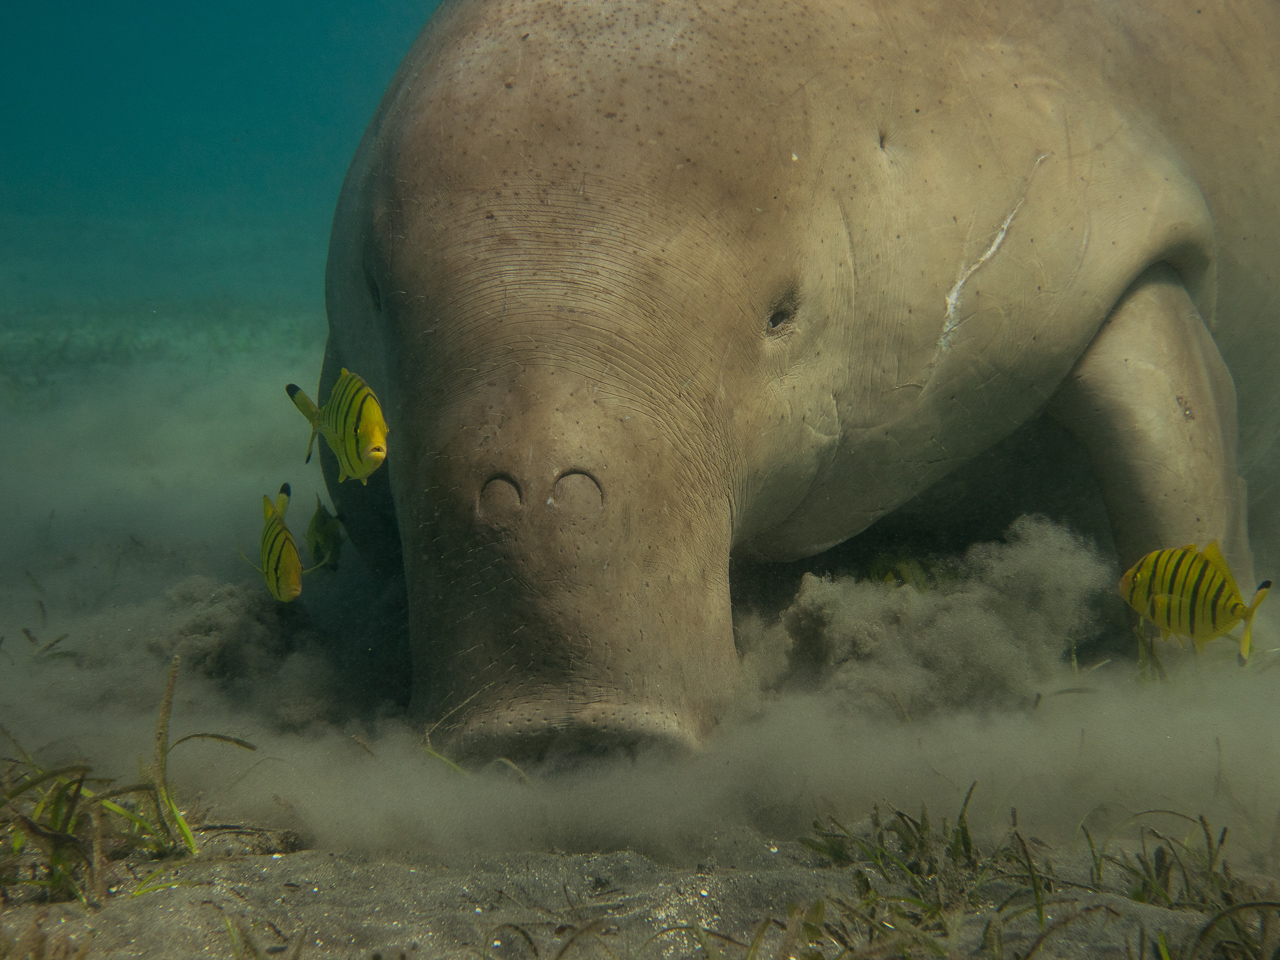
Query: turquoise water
{"x":183,"y":158}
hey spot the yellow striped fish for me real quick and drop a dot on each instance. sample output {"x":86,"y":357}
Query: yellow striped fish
{"x":281,"y":567}
{"x":1188,"y":593}
{"x":352,"y":423}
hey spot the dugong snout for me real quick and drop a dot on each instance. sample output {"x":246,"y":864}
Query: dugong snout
{"x":568,"y":598}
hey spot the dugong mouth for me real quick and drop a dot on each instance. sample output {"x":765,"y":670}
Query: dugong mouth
{"x":560,"y":735}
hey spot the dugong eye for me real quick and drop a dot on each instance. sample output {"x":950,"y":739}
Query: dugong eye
{"x":784,"y":311}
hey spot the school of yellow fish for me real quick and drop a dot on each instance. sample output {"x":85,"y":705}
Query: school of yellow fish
{"x":352,"y":424}
{"x":1190,"y":593}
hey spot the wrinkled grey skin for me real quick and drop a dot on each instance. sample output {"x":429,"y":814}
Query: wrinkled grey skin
{"x":645,"y":285}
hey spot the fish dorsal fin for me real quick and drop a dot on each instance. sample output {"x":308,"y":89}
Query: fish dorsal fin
{"x":343,"y":377}
{"x":1214,"y":556}
{"x":268,"y":508}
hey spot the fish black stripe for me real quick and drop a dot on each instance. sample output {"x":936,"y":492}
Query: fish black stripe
{"x":275,"y":534}
{"x":1160,"y":583}
{"x":269,"y":572}
{"x":284,"y":542}
{"x":342,"y":418}
{"x":274,"y":529}
{"x":355,"y":426}
{"x":343,"y":408}
{"x":275,"y":570}
{"x":277,"y":551}
{"x":278,"y":529}
{"x":1160,"y":579}
{"x":1150,"y":585}
{"x":1155,"y":585}
{"x":1173,"y":585}
{"x":1189,"y":574}
{"x":1176,"y":583}
{"x":1173,"y":573}
{"x":1195,"y":592}
{"x":1217,"y":596}
{"x":1144,"y":583}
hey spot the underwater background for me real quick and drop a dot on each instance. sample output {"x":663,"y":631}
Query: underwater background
{"x":167,"y":180}
{"x":162,"y":159}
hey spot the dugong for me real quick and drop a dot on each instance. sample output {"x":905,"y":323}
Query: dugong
{"x":646,"y":286}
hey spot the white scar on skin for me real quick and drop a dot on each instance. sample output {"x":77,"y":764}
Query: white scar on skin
{"x":962,"y":277}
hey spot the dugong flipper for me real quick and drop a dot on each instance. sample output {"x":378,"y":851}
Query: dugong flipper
{"x":1155,"y":407}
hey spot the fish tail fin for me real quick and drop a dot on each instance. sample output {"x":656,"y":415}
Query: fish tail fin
{"x":282,"y":499}
{"x":303,"y":402}
{"x":308,"y":409}
{"x":1263,"y":589}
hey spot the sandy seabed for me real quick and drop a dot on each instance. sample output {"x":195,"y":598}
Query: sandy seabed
{"x":132,"y":482}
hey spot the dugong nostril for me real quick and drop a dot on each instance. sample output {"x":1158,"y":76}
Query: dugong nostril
{"x":499,"y":500}
{"x":578,"y":495}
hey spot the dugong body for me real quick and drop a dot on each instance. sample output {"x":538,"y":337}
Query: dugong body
{"x":644,"y":286}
